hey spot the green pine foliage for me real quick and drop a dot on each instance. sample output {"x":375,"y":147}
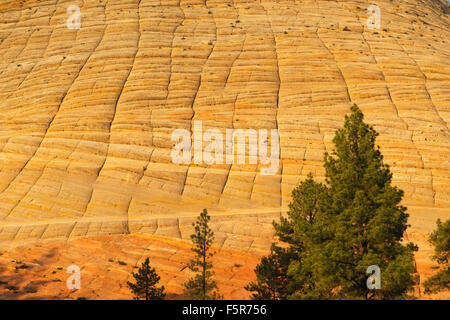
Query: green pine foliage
{"x":272,"y":281}
{"x":440,"y":239}
{"x":202,"y":286}
{"x":335,"y":231}
{"x":145,"y":283}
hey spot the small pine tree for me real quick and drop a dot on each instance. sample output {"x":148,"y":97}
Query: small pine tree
{"x":202,"y":286}
{"x":145,"y":287}
{"x":440,"y":239}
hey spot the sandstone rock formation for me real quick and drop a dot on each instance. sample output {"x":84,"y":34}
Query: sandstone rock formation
{"x":87,"y":114}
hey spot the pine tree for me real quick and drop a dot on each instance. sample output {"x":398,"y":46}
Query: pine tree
{"x":272,"y":279}
{"x":355,"y":220}
{"x":440,"y":239}
{"x":361,"y":222}
{"x":202,"y":286}
{"x":145,"y":286}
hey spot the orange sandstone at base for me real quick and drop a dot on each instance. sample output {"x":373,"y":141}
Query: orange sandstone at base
{"x":38,"y":271}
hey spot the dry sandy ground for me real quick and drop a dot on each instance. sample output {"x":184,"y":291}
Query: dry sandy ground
{"x":106,"y":263}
